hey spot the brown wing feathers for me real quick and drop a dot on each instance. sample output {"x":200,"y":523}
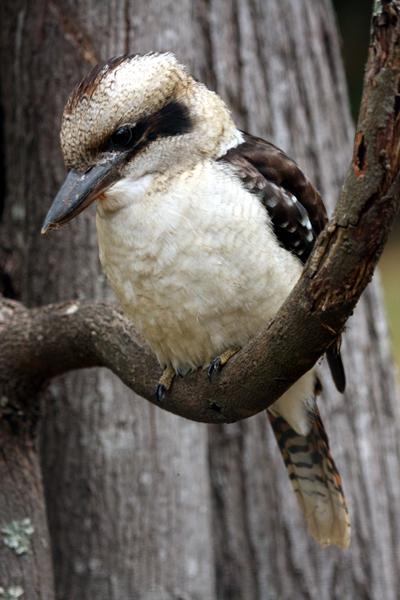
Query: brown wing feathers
{"x":293,"y":204}
{"x":295,"y":208}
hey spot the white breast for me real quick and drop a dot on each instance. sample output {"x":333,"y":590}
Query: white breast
{"x":193,"y":262}
{"x":195,"y":265}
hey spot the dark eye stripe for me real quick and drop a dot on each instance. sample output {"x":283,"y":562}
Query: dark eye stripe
{"x":171,"y":120}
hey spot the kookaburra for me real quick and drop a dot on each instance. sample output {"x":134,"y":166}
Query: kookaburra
{"x":203,"y":232}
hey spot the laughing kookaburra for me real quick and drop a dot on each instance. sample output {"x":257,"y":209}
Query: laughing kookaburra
{"x":203,"y":232}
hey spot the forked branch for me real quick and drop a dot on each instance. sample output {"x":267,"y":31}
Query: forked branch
{"x":39,"y":344}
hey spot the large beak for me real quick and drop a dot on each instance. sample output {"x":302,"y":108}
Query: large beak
{"x":78,"y":191}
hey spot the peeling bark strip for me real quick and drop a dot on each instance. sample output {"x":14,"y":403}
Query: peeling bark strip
{"x":359,"y":162}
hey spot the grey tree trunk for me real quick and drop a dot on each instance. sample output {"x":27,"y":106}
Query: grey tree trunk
{"x":142,"y":504}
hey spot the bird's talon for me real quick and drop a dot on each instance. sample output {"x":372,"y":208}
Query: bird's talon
{"x":221,"y":361}
{"x":164,"y":383}
{"x":214,"y":366}
{"x":160,"y":393}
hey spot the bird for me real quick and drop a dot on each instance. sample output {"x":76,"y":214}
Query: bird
{"x":203,"y":231}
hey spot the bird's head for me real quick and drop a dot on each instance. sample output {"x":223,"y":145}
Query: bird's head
{"x":132,"y":116}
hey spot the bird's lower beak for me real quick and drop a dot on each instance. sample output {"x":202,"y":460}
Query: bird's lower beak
{"x":79,"y":190}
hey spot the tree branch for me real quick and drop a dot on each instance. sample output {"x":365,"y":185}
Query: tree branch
{"x":39,"y":344}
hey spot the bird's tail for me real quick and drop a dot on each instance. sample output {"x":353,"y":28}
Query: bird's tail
{"x":315,"y":480}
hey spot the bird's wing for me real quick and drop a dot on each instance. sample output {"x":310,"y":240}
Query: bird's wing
{"x":295,"y":207}
{"x":298,"y":216}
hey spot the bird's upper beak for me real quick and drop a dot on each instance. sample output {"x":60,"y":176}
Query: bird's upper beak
{"x":79,"y":190}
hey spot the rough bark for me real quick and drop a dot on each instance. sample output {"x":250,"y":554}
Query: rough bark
{"x":25,"y":553}
{"x":128,"y":486}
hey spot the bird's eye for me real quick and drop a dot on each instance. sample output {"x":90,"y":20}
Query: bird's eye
{"x":121,"y":138}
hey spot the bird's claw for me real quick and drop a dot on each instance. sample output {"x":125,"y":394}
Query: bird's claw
{"x":220,"y":361}
{"x":160,"y":393}
{"x":164,"y":383}
{"x":214,"y":366}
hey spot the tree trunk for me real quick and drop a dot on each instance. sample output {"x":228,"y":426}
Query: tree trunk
{"x":143,"y":504}
{"x":25,"y":554}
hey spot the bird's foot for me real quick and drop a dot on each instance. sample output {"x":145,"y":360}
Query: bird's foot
{"x":220,"y":361}
{"x":164,"y":383}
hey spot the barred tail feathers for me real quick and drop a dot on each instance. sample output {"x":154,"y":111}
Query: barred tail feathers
{"x":315,"y":480}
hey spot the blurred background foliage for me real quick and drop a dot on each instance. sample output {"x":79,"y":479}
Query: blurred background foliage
{"x":354,"y":18}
